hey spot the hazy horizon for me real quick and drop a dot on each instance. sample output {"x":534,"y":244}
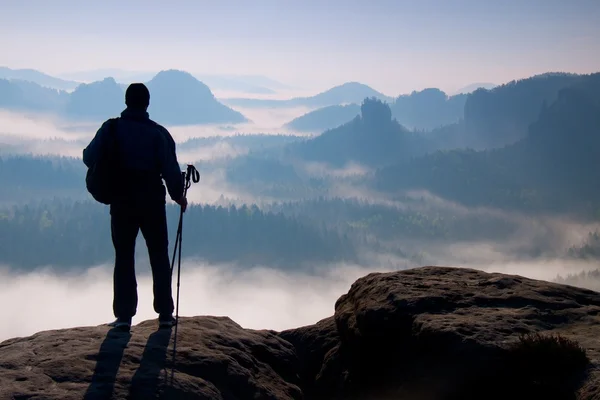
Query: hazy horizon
{"x":406,"y":46}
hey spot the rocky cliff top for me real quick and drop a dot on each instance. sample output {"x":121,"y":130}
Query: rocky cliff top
{"x":424,"y":333}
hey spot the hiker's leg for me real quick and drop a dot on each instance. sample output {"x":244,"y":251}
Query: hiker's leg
{"x":154,"y":229}
{"x":124,"y":228}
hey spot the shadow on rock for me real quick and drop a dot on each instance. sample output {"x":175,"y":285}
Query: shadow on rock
{"x":107,"y":364}
{"x":145,"y":382}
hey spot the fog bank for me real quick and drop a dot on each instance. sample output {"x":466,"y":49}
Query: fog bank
{"x":257,"y":298}
{"x":47,"y":134}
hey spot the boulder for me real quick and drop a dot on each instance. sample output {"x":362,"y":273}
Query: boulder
{"x":456,"y":333}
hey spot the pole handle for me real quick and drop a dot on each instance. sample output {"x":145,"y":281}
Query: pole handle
{"x":192,"y":173}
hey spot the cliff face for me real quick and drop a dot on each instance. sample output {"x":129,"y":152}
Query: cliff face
{"x":425,"y":333}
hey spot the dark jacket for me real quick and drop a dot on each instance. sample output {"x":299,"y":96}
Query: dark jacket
{"x":146,"y":153}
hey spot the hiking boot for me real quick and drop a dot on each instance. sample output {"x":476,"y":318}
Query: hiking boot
{"x":166,"y":321}
{"x":121,"y":323}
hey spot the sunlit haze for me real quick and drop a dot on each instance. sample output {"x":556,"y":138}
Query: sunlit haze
{"x":395,"y":46}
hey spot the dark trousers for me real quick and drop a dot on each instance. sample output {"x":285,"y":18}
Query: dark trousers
{"x":126,"y":222}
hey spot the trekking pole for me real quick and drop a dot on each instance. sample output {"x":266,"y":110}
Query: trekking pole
{"x":192,"y":173}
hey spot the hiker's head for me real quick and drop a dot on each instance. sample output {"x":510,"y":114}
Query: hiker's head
{"x":137,"y":96}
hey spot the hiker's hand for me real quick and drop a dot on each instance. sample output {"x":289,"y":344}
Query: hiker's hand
{"x":183,"y":203}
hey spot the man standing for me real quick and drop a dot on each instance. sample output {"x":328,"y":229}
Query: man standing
{"x":145,"y":155}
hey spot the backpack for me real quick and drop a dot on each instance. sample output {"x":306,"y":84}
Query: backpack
{"x":100,"y":179}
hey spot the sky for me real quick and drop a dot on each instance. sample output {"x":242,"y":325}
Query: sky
{"x":395,"y":46}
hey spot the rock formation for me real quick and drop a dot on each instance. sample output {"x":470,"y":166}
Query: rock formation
{"x":424,"y":333}
{"x":216,"y":359}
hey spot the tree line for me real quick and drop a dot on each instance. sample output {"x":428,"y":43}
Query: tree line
{"x":66,"y":234}
{"x":408,"y":218}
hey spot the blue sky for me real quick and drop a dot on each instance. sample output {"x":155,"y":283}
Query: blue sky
{"x":394,"y":46}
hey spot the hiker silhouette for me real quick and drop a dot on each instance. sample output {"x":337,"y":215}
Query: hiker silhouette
{"x":143,"y":154}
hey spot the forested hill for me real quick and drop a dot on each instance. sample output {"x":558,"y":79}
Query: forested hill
{"x":420,"y":110}
{"x":428,"y":109}
{"x":18,"y":95}
{"x":492,"y":119}
{"x":502,"y":115}
{"x":96,"y":101}
{"x":324,"y":118}
{"x":28,"y":177}
{"x":372,"y":138}
{"x":66,"y":234}
{"x":554,"y":168}
{"x":482,"y":119}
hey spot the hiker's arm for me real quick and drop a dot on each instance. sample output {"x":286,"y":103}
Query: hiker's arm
{"x":171,"y":171}
{"x":90,"y":153}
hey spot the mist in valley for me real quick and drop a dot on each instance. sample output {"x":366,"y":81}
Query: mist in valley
{"x":47,"y":134}
{"x":317,"y":166}
{"x":255,"y":298}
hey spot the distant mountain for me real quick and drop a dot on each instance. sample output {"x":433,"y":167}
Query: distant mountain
{"x":96,"y":101}
{"x":177,"y":98}
{"x":372,"y":138}
{"x":348,"y":93}
{"x":502,"y":115}
{"x":483,"y":119}
{"x":254,"y":84}
{"x":474,"y":86}
{"x":351,"y":92}
{"x":42,"y":79}
{"x":428,"y":109}
{"x":93,"y":102}
{"x":553,"y":168}
{"x":324,"y":118}
{"x":424,"y":110}
{"x":28,"y":96}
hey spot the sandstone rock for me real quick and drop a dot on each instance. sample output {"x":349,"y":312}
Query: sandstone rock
{"x":216,"y":359}
{"x":444,"y":332}
{"x":317,"y":347}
